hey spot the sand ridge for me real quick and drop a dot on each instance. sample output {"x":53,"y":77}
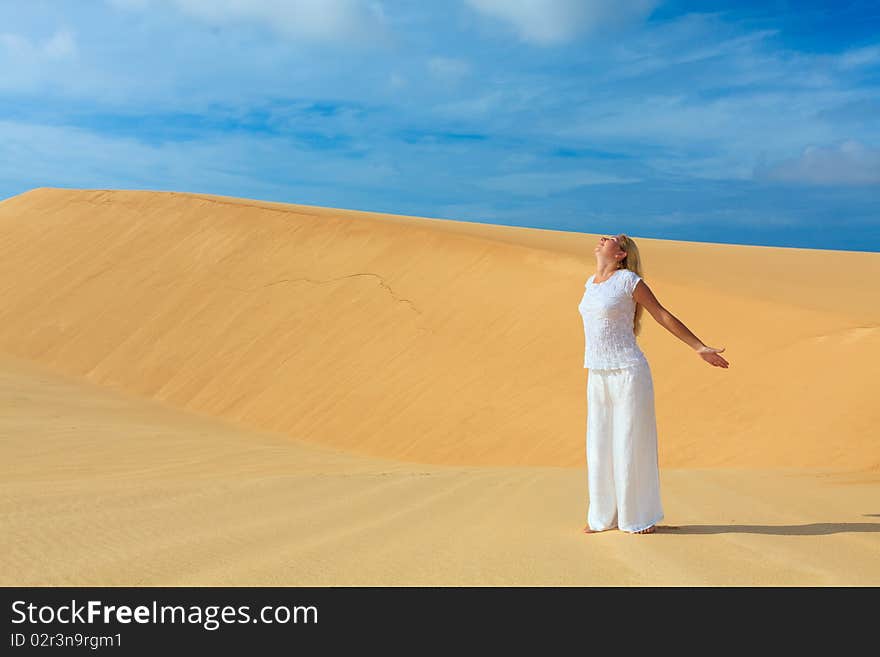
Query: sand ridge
{"x":202,"y":390}
{"x":392,"y":337}
{"x":102,"y":488}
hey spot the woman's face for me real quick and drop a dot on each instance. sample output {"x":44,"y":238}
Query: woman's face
{"x":609,"y":246}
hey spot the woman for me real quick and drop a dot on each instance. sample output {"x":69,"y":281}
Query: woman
{"x":623,"y":474}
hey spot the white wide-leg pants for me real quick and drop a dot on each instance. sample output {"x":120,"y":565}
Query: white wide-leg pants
{"x":623,"y":474}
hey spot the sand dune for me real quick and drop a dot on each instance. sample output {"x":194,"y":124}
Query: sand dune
{"x":432,"y":341}
{"x":207,"y":390}
{"x":105,"y":489}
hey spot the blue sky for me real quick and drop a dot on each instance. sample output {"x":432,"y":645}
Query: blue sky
{"x":735,"y":122}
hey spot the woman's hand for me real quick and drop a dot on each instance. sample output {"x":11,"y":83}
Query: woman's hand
{"x":710,"y":355}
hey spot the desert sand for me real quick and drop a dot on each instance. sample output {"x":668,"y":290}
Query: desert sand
{"x":203,"y":390}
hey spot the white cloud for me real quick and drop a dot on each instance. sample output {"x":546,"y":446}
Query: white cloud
{"x":129,"y":4}
{"x":848,"y":163}
{"x":448,"y":69}
{"x":32,"y":64}
{"x":397,"y":81}
{"x":719,"y":139}
{"x":550,"y":22}
{"x":340,"y":21}
{"x":859,"y":57}
{"x":545,"y":183}
{"x":61,"y":45}
{"x":470,"y":108}
{"x":247,"y":165}
{"x":510,"y":99}
{"x":15,"y":45}
{"x":642,"y":56}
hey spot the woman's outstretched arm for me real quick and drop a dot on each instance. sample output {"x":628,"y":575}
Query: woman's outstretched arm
{"x":645,"y":297}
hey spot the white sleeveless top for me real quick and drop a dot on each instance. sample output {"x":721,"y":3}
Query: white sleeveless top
{"x":608,"y":310}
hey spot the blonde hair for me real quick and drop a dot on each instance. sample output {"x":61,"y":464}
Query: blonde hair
{"x":633,"y":262}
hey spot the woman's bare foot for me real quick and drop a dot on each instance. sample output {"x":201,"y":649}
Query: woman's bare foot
{"x":648,"y":530}
{"x":587,"y":530}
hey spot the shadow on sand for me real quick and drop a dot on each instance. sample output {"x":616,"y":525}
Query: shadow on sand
{"x":812,"y":529}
